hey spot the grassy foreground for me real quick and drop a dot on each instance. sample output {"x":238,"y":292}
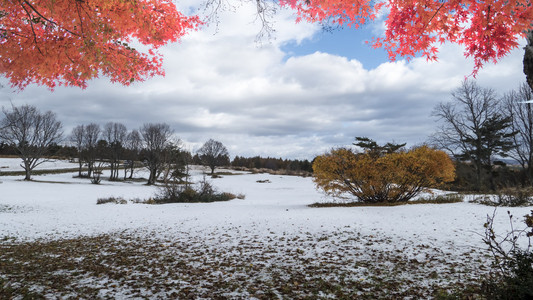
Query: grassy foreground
{"x":341,"y":264}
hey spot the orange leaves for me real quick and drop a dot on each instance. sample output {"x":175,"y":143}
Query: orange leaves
{"x":429,"y":167}
{"x":488,"y":29}
{"x":68,"y":42}
{"x":393,"y":177}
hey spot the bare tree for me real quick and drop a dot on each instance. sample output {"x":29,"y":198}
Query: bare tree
{"x":133,"y":145}
{"x":156,"y":138}
{"x":173,"y":161}
{"x":521,"y":115}
{"x":115,"y":136}
{"x":92,"y":135}
{"x":31,"y":133}
{"x":77,"y":138}
{"x":213,"y":154}
{"x":473,"y":128}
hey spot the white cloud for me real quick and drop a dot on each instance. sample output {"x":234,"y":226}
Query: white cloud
{"x":258,"y":101}
{"x":322,"y":72}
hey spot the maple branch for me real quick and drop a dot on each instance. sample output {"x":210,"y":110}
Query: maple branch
{"x":488,"y":16}
{"x":11,"y":32}
{"x":37,"y":12}
{"x":66,"y":53}
{"x":48,"y":20}
{"x":32,"y":30}
{"x":88,"y":15}
{"x":78,"y":10}
{"x":432,"y":17}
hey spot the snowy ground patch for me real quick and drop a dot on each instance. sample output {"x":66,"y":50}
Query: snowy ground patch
{"x":14,"y":164}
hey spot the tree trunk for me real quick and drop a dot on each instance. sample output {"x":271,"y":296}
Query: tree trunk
{"x":478,"y":167}
{"x":112,"y":172}
{"x":27,"y":171}
{"x":81,"y":166}
{"x":131,"y":170}
{"x":152,"y":177}
{"x":528,"y":59}
{"x":90,"y":169}
{"x":529,"y":169}
{"x":491,"y":178}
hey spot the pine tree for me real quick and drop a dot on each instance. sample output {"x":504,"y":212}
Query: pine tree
{"x":374,"y":149}
{"x":494,"y":140}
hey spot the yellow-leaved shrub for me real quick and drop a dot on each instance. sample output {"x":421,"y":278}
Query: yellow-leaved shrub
{"x":391,"y":177}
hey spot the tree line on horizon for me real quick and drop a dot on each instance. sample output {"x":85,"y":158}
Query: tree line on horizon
{"x":478,"y":129}
{"x":35,"y":136}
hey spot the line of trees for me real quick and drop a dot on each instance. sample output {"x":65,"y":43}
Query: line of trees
{"x":275,"y":164}
{"x":36,"y":137}
{"x":477,"y":127}
{"x":483,"y":131}
{"x":113,"y":146}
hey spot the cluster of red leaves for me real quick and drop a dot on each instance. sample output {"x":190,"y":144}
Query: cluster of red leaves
{"x":68,"y":42}
{"x":342,"y":12}
{"x":488,"y":29}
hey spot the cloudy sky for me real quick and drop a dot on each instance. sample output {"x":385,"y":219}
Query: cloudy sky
{"x":294,"y":96}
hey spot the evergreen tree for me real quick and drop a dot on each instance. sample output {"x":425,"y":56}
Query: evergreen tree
{"x":371,"y":147}
{"x":494,"y":140}
{"x":474,"y":130}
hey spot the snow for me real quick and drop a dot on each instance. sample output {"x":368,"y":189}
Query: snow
{"x":14,"y":164}
{"x":274,"y":219}
{"x":59,"y":206}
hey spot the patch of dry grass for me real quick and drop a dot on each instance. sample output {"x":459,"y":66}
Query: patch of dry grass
{"x":343,"y":265}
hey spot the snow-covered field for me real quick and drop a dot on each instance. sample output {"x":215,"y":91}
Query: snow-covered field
{"x":271,"y":234}
{"x":14,"y":164}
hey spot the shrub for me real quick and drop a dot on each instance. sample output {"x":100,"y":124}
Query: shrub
{"x":511,"y":275}
{"x":515,"y":196}
{"x":440,"y":199}
{"x":204,"y":192}
{"x":143,"y":201}
{"x":388,"y":177}
{"x":96,"y":179}
{"x":111,"y":200}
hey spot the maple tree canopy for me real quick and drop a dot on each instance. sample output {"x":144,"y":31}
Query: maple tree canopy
{"x":488,"y":29}
{"x":68,"y":42}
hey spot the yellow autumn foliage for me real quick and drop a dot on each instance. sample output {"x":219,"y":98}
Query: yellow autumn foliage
{"x":392,"y":177}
